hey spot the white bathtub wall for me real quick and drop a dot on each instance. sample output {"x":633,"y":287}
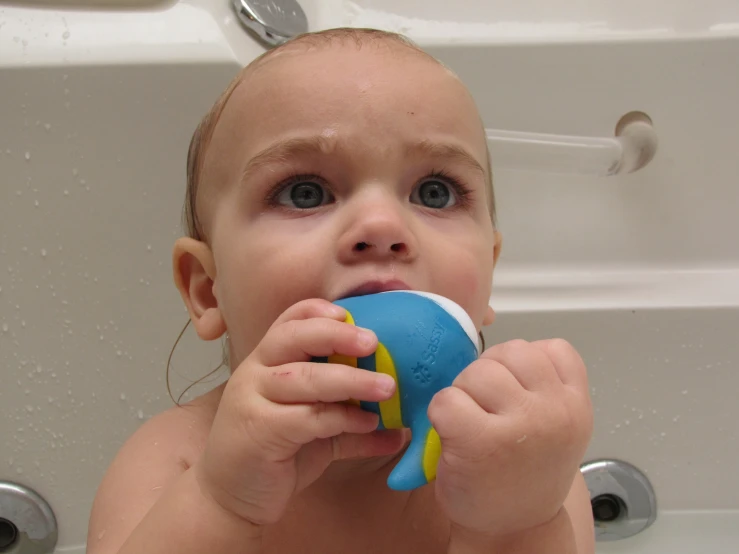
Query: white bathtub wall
{"x":97,"y":112}
{"x":640,"y":272}
{"x":530,"y":21}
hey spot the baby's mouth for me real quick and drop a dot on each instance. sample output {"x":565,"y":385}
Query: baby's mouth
{"x":375,"y":286}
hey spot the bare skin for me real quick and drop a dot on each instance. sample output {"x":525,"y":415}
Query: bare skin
{"x":368,"y":124}
{"x":319,"y":522}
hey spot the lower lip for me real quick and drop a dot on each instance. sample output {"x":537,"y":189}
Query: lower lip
{"x":374,"y":289}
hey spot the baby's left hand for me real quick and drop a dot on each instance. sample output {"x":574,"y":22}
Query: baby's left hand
{"x":514,"y":427}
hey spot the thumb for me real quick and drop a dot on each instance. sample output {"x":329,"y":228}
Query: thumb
{"x":367,"y":445}
{"x":313,"y":459}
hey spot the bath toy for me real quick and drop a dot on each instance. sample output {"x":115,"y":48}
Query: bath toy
{"x":425,"y":341}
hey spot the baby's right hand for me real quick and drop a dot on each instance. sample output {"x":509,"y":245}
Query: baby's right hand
{"x":280,"y":422}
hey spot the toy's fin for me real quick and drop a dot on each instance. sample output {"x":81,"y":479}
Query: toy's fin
{"x":418,"y":465}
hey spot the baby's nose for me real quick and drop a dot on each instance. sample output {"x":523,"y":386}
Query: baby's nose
{"x":378,"y":232}
{"x":400,"y":248}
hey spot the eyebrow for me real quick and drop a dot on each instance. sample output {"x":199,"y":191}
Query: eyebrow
{"x":283,"y":150}
{"x":451,"y":152}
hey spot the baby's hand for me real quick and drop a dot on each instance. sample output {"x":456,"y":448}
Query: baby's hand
{"x":514,"y":427}
{"x":280,"y":421}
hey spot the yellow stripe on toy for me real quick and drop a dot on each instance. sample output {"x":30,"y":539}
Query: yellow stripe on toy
{"x":349,"y":319}
{"x":389,"y":409}
{"x":346,"y":360}
{"x":431,"y":454}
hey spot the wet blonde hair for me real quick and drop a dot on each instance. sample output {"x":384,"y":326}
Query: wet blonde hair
{"x":204,"y":132}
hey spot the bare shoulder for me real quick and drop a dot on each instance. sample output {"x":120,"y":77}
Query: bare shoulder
{"x":153,"y":457}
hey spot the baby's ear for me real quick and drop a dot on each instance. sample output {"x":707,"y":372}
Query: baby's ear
{"x":194,"y":273}
{"x":497,"y":246}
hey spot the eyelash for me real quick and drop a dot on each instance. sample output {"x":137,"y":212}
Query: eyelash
{"x":462,"y":192}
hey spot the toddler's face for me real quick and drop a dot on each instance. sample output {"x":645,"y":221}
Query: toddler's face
{"x":338,"y":167}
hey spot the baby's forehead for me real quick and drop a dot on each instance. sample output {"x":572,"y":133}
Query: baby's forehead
{"x":321,"y":81}
{"x":344,"y":87}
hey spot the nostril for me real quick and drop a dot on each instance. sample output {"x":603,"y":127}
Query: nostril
{"x":398,"y":247}
{"x":361,"y":246}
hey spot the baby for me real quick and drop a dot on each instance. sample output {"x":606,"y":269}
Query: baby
{"x":346,"y":162}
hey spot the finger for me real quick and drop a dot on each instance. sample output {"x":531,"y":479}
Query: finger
{"x":313,"y":458}
{"x":568,"y":364}
{"x":301,"y":340}
{"x":302,"y":382}
{"x":528,"y":364}
{"x":457,"y":418}
{"x":312,"y":307}
{"x":349,"y":446}
{"x":491,"y":386}
{"x":303,"y":423}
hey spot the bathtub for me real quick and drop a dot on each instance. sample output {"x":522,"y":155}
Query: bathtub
{"x":640,"y":271}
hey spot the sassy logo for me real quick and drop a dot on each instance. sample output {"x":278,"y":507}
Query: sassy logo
{"x":421,"y":371}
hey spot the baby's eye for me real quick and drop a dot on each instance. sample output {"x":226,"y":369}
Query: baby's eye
{"x":434,"y":193}
{"x":303,"y":195}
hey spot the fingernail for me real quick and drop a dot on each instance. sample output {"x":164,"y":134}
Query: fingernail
{"x":337,"y":311}
{"x":366,"y":337}
{"x":385,"y":383}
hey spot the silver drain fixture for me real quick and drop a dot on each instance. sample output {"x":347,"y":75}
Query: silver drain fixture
{"x":27,"y":523}
{"x":622,"y":499}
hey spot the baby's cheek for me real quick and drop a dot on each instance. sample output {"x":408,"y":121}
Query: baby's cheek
{"x":464,"y":283}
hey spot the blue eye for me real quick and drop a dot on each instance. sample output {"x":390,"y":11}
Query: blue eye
{"x":303,"y":195}
{"x":434,"y":194}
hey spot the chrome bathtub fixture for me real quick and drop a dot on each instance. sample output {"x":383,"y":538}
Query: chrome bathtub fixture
{"x":274,"y":21}
{"x":27,"y":523}
{"x":632,"y":147}
{"x":622,"y":499}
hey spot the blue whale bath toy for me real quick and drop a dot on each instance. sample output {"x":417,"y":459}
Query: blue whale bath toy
{"x":425,"y":341}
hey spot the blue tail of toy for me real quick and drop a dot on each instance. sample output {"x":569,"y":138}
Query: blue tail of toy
{"x":418,"y":465}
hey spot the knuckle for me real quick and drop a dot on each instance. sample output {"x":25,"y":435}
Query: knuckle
{"x":443,"y":399}
{"x":320,"y":411}
{"x":528,"y":406}
{"x":313,"y":305}
{"x":560,"y":348}
{"x":306,"y":371}
{"x":517,"y":346}
{"x":474,"y":372}
{"x":292,"y":329}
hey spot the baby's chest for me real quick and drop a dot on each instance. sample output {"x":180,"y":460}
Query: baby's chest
{"x":332,"y":540}
{"x":414,"y":531}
